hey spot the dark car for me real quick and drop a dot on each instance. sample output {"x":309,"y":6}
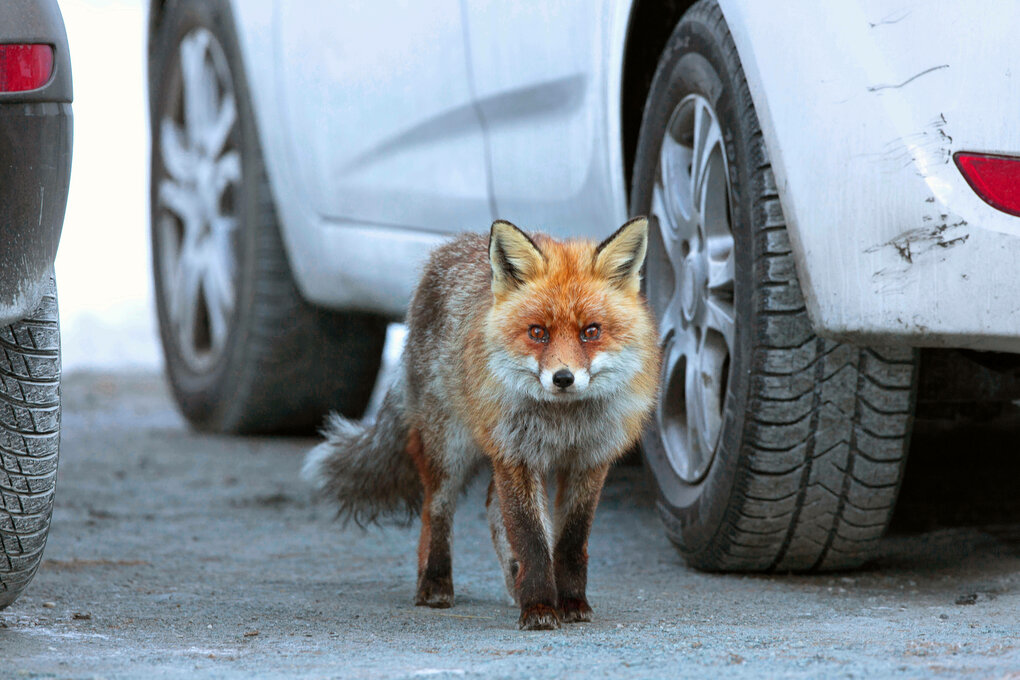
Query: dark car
{"x":35,"y":165}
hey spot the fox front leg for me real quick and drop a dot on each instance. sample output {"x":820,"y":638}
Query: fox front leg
{"x":577,"y":494}
{"x":521,"y":496}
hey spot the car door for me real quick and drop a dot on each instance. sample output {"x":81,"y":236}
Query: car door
{"x":539,"y":74}
{"x":378,"y":107}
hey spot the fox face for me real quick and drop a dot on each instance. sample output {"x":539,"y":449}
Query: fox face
{"x":568,"y":321}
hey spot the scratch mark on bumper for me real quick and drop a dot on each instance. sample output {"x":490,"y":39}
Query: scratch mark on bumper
{"x":876,"y":88}
{"x":890,"y":19}
{"x":914,"y":242}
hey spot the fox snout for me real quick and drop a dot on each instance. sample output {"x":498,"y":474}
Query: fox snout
{"x":563,"y":379}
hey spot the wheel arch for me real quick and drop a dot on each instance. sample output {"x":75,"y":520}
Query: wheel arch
{"x":152,"y":19}
{"x":649,"y":25}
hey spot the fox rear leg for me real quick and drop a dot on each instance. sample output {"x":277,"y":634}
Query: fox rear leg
{"x":504,"y":552}
{"x":435,"y":566}
{"x":577,"y":494}
{"x":521,"y":496}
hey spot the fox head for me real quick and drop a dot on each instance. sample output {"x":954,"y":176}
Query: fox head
{"x":567,"y":319}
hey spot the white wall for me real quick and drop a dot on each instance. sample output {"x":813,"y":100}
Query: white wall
{"x":103,"y":272}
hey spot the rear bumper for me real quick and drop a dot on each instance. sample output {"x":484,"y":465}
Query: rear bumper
{"x":863,"y":109}
{"x":35,"y":166}
{"x":35,"y":160}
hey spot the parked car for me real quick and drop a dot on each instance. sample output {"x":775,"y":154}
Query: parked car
{"x":35,"y":165}
{"x":833,"y":185}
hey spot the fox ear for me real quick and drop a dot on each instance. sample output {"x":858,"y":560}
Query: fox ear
{"x":619,"y":257}
{"x":514,"y":257}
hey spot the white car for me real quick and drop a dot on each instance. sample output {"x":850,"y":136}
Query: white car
{"x":830,"y":184}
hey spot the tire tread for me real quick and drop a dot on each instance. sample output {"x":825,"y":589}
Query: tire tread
{"x":29,"y":442}
{"x":827,"y":426}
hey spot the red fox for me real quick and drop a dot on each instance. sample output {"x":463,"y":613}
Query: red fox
{"x":524,"y":354}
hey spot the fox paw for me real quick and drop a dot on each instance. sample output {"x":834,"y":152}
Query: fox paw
{"x":574,"y":610}
{"x":437,"y":594}
{"x":539,"y":617}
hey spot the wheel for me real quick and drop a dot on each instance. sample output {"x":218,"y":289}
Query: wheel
{"x":29,"y":441}
{"x":771,"y":448}
{"x":244,"y":352}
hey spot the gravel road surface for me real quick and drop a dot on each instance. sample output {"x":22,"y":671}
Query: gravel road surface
{"x":177,"y":554}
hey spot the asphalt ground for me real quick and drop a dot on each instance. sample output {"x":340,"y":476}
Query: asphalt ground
{"x":179,"y":554}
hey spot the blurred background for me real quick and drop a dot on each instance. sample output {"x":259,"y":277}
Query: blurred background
{"x":103,"y":271}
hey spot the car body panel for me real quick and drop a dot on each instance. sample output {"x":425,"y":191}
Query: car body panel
{"x":861,"y":117}
{"x":338,"y":263}
{"x":35,"y":148}
{"x":396,"y":138}
{"x":540,"y":74}
{"x":362,"y":263}
{"x":862,"y":106}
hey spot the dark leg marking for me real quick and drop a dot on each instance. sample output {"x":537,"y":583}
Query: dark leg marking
{"x":577,"y":495}
{"x":435,"y":567}
{"x":522,"y":499}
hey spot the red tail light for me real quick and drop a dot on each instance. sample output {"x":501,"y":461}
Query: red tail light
{"x":25,"y":67}
{"x":996,"y":179}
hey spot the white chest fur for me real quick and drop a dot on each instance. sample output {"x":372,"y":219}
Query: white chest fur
{"x":545,"y":435}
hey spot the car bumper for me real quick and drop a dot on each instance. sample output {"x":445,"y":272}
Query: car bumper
{"x":862,"y":120}
{"x":35,"y":145}
{"x":35,"y":159}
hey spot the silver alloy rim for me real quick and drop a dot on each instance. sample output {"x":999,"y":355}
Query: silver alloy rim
{"x":690,"y":285}
{"x":197,"y":198}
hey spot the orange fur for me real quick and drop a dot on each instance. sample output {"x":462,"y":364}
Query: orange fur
{"x":566,"y":293}
{"x":428,"y":481}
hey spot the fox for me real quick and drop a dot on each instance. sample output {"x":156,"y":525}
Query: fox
{"x":526,"y":355}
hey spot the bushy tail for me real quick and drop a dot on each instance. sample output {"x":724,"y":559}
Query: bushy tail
{"x":365,"y":468}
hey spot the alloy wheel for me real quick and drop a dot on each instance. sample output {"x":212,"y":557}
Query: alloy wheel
{"x":197,"y":198}
{"x":690,"y":285}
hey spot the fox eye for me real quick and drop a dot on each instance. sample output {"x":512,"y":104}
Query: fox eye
{"x":538,"y":333}
{"x":591,"y":332}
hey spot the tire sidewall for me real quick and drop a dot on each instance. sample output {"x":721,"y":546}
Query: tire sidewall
{"x":694,"y":62}
{"x":203,"y":394}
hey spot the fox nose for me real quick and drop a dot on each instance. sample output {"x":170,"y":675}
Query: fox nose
{"x":563,"y":378}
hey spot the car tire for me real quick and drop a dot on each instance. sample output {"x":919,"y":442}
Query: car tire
{"x":245,"y":353}
{"x":29,"y":441}
{"x":772,"y":448}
